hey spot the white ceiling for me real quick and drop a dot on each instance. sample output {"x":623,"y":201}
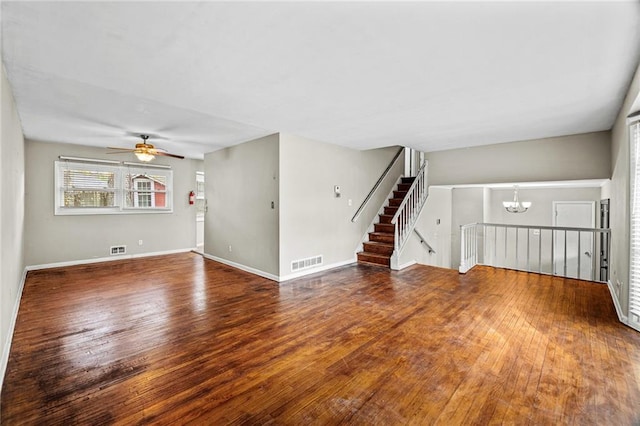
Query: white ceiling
{"x":429,"y":75}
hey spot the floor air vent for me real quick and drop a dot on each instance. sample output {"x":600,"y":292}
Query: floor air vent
{"x":118,"y":250}
{"x":309,"y":262}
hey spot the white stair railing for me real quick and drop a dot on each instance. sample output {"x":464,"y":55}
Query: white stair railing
{"x":550,"y":250}
{"x":405,"y":218}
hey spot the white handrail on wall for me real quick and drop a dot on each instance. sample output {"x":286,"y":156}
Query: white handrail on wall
{"x":423,"y":240}
{"x":408,"y":212}
{"x":550,"y":250}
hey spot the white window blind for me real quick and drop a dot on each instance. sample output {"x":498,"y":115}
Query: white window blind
{"x":83,"y":187}
{"x":634,"y":264}
{"x":86,"y":186}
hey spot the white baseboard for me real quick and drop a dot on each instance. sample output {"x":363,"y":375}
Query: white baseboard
{"x":277,"y":278}
{"x":245,"y":268}
{"x":4,"y":360}
{"x":316,"y":270}
{"x":621,"y":316}
{"x":406,"y":265}
{"x":105,"y":259}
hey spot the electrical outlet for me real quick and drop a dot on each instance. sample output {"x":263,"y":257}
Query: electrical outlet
{"x":229,"y":248}
{"x":140,"y":242}
{"x":350,"y":202}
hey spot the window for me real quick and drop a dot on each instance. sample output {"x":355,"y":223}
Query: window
{"x":147,"y":188}
{"x":142,"y":195}
{"x":634,"y":263}
{"x":112,"y":188}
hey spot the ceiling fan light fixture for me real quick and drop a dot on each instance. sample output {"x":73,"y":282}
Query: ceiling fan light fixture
{"x":144,"y":156}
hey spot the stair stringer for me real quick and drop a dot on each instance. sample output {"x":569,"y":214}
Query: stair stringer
{"x":370,"y":228}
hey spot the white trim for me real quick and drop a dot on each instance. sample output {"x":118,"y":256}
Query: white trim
{"x":152,"y":165}
{"x":241,"y":267}
{"x":406,"y":265}
{"x":87,"y":160}
{"x":4,"y":360}
{"x":316,"y":270}
{"x":273,"y":277}
{"x":621,"y":316}
{"x":105,"y":259}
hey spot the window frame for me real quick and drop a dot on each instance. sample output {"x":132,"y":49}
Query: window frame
{"x":633,"y":318}
{"x":201,"y":202}
{"x":137,"y":192}
{"x":121,"y":170}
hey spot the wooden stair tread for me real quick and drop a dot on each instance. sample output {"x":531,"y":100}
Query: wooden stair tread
{"x":377,"y":243}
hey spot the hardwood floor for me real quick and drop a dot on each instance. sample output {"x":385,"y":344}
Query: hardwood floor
{"x":180,"y":339}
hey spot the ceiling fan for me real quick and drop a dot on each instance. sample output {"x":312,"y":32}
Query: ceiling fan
{"x":144,"y":151}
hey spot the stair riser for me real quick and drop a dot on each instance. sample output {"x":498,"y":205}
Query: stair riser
{"x":399,"y":194}
{"x":408,"y":180}
{"x":381,"y":238}
{"x":404,"y":186}
{"x":395,"y":202}
{"x":390,"y":210}
{"x":384,"y":227}
{"x":385,"y":218}
{"x":362,"y":257}
{"x":376,"y":248}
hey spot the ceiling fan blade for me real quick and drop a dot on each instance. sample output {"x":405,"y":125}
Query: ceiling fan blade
{"x":113,"y":147}
{"x":121,"y":152}
{"x":166,"y":154}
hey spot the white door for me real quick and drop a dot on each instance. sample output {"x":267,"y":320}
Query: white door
{"x":574,"y":251}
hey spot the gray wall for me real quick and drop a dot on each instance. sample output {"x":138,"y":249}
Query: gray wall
{"x":298,"y":175}
{"x":241,"y":183}
{"x":585,"y":156}
{"x":619,"y":193}
{"x":12,"y":173}
{"x":313,"y":221}
{"x":438,"y":235}
{"x":52,"y":239}
{"x":542,"y":200}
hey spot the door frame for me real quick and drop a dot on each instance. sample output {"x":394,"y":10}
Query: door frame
{"x":592,"y":209}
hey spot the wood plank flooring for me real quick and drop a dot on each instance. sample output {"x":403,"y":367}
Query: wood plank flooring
{"x":183,"y":340}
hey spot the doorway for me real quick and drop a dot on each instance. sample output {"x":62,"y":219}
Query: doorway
{"x":604,"y":240}
{"x":574,"y":250}
{"x":201,"y":208}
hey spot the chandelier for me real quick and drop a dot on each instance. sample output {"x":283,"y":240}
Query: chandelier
{"x":516,"y":206}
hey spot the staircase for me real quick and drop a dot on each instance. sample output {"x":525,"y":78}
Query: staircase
{"x":379,"y":248}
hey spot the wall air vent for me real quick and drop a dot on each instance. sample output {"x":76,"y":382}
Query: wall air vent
{"x":116,"y":250}
{"x":309,"y":262}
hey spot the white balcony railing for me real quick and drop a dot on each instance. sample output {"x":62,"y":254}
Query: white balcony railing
{"x":551,"y":250}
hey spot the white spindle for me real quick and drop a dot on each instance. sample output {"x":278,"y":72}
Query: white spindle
{"x":469,"y":241}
